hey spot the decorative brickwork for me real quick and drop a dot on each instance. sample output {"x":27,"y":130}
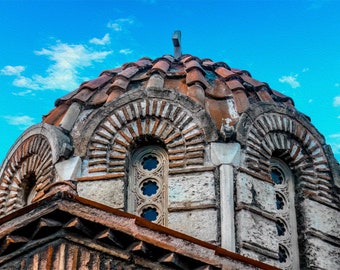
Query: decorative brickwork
{"x":29,"y":171}
{"x":273,"y":131}
{"x":269,"y":132}
{"x":152,"y":118}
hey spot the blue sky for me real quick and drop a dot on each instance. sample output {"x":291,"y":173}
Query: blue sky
{"x":48,"y":48}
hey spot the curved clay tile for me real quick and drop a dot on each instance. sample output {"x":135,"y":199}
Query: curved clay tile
{"x":199,"y":79}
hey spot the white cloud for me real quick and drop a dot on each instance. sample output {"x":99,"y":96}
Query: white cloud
{"x":104,"y":41}
{"x":291,"y":80}
{"x":22,"y":122}
{"x":63,"y":72}
{"x":336,"y":135}
{"x":23,"y":93}
{"x":12,"y":70}
{"x":24,"y":82}
{"x":336,"y":101}
{"x":120,"y":24}
{"x":126,"y":51}
{"x":305,"y":69}
{"x":337,"y":84}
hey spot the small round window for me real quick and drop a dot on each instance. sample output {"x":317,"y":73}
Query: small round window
{"x":149,"y":187}
{"x":277,"y":176}
{"x":150,"y":162}
{"x":150,"y":213}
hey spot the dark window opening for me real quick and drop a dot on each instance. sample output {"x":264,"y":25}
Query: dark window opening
{"x":150,"y":213}
{"x":279,"y":202}
{"x":280,"y":226}
{"x":150,"y":163}
{"x":150,"y":188}
{"x":27,"y":185}
{"x":277,"y":176}
{"x":282,"y":255}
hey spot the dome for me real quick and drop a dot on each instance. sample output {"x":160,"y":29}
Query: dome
{"x":192,"y":145}
{"x":224,"y":92}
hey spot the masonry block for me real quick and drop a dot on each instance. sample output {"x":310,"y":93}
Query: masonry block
{"x":257,"y":193}
{"x":203,"y":223}
{"x":108,"y":192}
{"x":192,"y":189}
{"x":256,"y":230}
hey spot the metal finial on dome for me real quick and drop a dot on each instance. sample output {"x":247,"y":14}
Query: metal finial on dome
{"x":176,"y":40}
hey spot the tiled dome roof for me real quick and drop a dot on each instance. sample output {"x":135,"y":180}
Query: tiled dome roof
{"x":223,"y":91}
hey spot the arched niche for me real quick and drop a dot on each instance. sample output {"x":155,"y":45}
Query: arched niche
{"x":85,"y":128}
{"x":29,"y":166}
{"x":270,"y":132}
{"x":265,"y":129}
{"x":180,"y":124}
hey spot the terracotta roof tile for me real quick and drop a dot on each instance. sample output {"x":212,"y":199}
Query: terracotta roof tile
{"x":82,"y":96}
{"x":144,"y":62}
{"x":55,"y":115}
{"x":221,"y":90}
{"x":224,"y":73}
{"x":128,"y":72}
{"x":241,"y":101}
{"x":207,"y":62}
{"x":192,"y":64}
{"x":96,"y":83}
{"x":120,"y":82}
{"x":65,"y":98}
{"x":187,"y":74}
{"x":100,"y":96}
{"x":234,"y":85}
{"x":196,"y":76}
{"x":112,"y":72}
{"x":162,"y":65}
{"x":263,"y":94}
{"x":251,"y":81}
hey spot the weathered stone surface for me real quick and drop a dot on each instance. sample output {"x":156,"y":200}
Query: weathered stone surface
{"x":322,"y":218}
{"x":110,"y":192}
{"x":259,"y":257}
{"x":68,"y":169}
{"x":225,"y":153}
{"x":191,"y":189}
{"x":257,"y":230}
{"x":71,"y":116}
{"x":254,"y":192}
{"x":201,"y":224}
{"x":316,"y":252}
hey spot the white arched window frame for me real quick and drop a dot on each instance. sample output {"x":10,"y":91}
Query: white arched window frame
{"x":286,"y":224}
{"x":148,"y":183}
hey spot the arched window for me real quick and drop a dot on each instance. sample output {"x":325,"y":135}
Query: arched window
{"x":147,"y":191}
{"x":286,"y":225}
{"x":27,"y":191}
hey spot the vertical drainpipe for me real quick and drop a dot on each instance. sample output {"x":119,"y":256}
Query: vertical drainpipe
{"x":226,"y":156}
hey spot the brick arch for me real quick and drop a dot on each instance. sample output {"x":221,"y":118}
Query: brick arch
{"x":277,"y":130}
{"x":161,"y":119}
{"x":34,"y":153}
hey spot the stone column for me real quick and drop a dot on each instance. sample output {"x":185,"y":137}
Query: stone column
{"x":226,"y":156}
